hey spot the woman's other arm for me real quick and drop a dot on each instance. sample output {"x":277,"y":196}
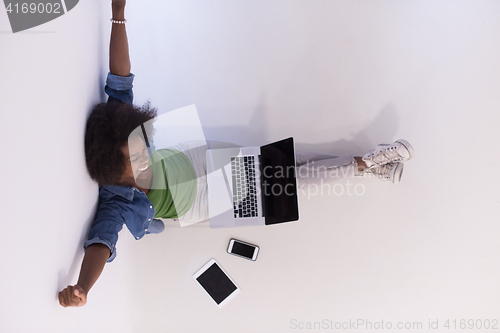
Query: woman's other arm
{"x":119,"y":61}
{"x":93,"y":263}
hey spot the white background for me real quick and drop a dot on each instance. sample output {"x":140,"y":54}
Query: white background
{"x":338,"y":76}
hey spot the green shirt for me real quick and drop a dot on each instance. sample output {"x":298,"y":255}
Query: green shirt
{"x":173,"y":188}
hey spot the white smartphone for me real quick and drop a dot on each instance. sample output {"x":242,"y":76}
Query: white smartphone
{"x":242,"y":249}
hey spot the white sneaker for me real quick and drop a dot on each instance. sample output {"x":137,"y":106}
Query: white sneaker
{"x":388,"y":172}
{"x":399,"y":151}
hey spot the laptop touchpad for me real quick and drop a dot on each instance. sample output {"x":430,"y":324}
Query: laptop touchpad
{"x":219,"y":197}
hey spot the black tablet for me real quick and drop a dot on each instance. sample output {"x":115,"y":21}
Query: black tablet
{"x":216,"y":283}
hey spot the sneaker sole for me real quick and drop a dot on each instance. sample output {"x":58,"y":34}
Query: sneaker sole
{"x":408,"y":147}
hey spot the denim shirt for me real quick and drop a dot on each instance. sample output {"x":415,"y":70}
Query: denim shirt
{"x":119,"y":205}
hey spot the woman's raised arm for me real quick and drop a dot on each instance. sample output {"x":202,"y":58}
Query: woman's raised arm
{"x":119,"y":60}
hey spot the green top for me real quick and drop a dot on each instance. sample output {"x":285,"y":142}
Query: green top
{"x":173,"y":187}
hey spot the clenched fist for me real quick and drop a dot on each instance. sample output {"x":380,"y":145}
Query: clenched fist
{"x":73,"y":296}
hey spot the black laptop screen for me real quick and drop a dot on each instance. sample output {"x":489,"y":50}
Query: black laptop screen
{"x":279,"y":185}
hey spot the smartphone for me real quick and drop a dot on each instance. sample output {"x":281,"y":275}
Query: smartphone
{"x":242,"y":249}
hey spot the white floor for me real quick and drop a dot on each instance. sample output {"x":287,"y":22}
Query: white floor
{"x":338,"y":76}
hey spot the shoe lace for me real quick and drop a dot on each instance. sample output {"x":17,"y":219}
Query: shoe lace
{"x":385,"y":155}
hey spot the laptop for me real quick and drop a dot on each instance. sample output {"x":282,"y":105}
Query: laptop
{"x":252,"y":186}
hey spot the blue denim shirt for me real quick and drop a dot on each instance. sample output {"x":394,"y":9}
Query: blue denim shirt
{"x":119,"y":205}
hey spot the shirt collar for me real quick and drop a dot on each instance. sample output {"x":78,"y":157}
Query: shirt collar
{"x":123,"y":191}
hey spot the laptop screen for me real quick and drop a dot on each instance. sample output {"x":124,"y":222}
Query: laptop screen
{"x":279,"y":184}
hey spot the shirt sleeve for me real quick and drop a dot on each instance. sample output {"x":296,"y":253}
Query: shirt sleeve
{"x":119,"y":88}
{"x":107,"y":225}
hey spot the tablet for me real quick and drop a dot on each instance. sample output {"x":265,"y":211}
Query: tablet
{"x":216,"y":283}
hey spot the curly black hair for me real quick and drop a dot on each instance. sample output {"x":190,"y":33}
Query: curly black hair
{"x":108,"y":128}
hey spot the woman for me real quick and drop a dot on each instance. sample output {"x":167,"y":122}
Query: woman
{"x":123,"y":169}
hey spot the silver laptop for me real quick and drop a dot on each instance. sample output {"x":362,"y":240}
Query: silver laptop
{"x":252,"y":186}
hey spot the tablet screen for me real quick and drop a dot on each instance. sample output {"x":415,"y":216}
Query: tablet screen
{"x":216,"y":283}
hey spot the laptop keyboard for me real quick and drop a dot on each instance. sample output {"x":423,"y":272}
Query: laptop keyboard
{"x":244,"y":189}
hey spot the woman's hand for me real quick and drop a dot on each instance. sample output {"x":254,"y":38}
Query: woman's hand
{"x":92,"y":266}
{"x":73,"y":296}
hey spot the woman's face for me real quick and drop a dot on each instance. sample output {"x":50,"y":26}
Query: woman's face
{"x":136,"y":157}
